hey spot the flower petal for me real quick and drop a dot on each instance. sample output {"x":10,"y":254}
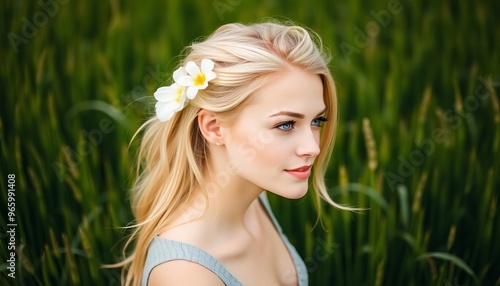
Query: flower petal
{"x":203,"y":86}
{"x":172,"y":105}
{"x":191,"y":92}
{"x":163,"y":113}
{"x":209,"y":75}
{"x":181,"y":103}
{"x":186,"y":80}
{"x":179,"y":73}
{"x":207,"y":65}
{"x":192,"y":69}
{"x":166,"y":93}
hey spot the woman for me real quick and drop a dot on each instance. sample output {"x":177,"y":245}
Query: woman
{"x":252,"y":109}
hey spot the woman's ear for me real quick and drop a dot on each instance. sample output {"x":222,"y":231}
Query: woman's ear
{"x":210,"y":127}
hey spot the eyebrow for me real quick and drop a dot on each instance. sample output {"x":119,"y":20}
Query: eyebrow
{"x":295,"y":114}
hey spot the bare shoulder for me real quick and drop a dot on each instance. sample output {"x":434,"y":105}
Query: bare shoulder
{"x":182,"y":272}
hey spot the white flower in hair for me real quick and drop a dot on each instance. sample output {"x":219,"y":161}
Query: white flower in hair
{"x":185,"y":87}
{"x":170,"y":98}
{"x":197,"y":79}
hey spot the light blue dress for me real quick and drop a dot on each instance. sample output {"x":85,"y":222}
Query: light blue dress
{"x":162,"y":250}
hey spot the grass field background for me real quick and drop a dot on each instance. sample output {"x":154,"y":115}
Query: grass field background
{"x":418,"y":140}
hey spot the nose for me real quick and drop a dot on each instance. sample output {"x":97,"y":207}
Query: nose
{"x":308,"y":145}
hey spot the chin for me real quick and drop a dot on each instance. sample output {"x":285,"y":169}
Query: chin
{"x":292,"y":193}
{"x":297,"y":195}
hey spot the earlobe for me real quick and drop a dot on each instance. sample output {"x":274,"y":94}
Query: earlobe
{"x":209,"y":126}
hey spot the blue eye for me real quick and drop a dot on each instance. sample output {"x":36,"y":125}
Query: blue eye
{"x":319,"y":121}
{"x":286,"y":126}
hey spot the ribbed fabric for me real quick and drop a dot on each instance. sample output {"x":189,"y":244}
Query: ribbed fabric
{"x":162,"y":250}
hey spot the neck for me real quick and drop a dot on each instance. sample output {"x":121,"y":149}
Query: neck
{"x":229,"y":200}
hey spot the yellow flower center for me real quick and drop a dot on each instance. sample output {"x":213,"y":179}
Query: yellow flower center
{"x":179,"y":94}
{"x":199,"y":79}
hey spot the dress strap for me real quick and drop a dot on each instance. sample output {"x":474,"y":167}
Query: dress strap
{"x":300,"y":266}
{"x":163,"y":250}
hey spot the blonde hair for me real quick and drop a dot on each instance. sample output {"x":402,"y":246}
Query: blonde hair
{"x":172,"y":154}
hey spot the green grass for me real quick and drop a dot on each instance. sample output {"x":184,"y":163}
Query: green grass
{"x":418,"y":140}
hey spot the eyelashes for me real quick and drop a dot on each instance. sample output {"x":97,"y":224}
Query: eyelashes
{"x":320,"y":121}
{"x":288,"y":126}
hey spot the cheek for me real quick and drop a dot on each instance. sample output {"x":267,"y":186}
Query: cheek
{"x":256,"y":149}
{"x":317,"y":137}
{"x":239,"y":149}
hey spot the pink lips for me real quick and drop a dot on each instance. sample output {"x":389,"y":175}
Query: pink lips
{"x":300,"y":173}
